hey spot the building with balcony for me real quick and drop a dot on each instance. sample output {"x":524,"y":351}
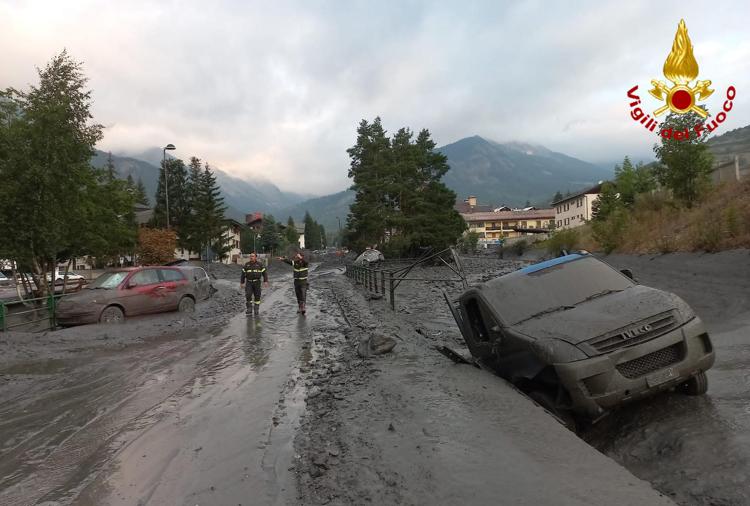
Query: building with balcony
{"x":494,"y":227}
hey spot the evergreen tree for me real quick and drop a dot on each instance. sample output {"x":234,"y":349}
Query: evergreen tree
{"x":312,"y":233}
{"x":401,"y":203}
{"x":141,"y":196}
{"x":370,"y":169}
{"x":608,"y":202}
{"x":685,"y":165}
{"x":270,"y":239}
{"x":179,"y":198}
{"x":208,"y":222}
{"x":292,"y":236}
{"x":46,"y":144}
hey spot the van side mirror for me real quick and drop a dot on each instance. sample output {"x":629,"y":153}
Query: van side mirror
{"x":628,"y":273}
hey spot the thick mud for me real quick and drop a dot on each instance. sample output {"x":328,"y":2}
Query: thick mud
{"x":412,"y":427}
{"x":696,"y":450}
{"x":216,"y":408}
{"x":202,"y":414}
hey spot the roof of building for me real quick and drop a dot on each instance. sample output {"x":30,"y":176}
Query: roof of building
{"x":594,"y":189}
{"x":534,"y":214}
{"x":464,"y":207}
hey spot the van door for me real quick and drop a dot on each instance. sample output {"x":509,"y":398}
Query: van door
{"x":484,"y":330}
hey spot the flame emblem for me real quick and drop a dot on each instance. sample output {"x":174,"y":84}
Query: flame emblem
{"x":681,"y":68}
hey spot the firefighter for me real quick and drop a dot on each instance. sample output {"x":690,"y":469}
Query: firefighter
{"x":252,"y":273}
{"x":299,"y":264}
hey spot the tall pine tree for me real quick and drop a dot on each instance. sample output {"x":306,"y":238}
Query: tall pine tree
{"x":401,"y":204}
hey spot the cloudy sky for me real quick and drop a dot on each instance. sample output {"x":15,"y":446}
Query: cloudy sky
{"x":276,"y":89}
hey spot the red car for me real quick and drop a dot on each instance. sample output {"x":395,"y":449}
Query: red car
{"x":135,"y":291}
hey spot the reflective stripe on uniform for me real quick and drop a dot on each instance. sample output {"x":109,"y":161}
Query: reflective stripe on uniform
{"x":301,"y":277}
{"x":301,"y":269}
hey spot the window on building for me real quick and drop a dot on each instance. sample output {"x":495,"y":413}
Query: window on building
{"x":559,"y":223}
{"x":567,"y":221}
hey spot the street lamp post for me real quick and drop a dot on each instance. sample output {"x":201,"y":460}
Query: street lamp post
{"x":168,"y":147}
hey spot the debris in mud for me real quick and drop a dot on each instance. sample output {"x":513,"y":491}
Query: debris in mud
{"x":375,"y":345}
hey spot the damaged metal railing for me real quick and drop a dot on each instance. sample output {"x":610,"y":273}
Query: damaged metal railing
{"x":20,"y":313}
{"x":375,"y":279}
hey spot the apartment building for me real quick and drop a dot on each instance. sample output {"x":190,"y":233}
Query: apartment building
{"x":575,"y":210}
{"x":493,"y":227}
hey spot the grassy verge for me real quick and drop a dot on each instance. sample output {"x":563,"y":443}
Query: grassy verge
{"x":657,"y":224}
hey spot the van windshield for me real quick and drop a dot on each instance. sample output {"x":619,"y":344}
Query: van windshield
{"x":108,"y":280}
{"x":522,"y":296}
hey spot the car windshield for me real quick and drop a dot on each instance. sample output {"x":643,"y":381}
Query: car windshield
{"x":109,"y":280}
{"x":523,"y":296}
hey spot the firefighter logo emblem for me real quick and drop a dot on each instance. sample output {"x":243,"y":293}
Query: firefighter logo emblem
{"x":681,"y":69}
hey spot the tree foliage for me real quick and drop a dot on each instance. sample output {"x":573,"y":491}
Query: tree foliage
{"x":685,"y":165}
{"x":53,"y":204}
{"x":156,"y":246}
{"x":314,"y":233}
{"x":271,"y":238}
{"x":291,"y":234}
{"x":400,"y":202}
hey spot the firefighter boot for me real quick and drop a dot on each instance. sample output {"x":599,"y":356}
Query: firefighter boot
{"x":302,"y":308}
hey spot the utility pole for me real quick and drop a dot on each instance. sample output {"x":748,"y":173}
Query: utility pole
{"x":169,"y":147}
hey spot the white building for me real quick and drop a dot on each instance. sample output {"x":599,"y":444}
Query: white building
{"x":232,"y":238}
{"x":575,"y":210}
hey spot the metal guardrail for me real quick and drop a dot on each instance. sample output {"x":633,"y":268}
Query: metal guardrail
{"x":47,"y":304}
{"x":375,"y":278}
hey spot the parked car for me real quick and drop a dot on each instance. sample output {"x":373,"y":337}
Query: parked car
{"x":71,"y":276}
{"x":122,"y":293}
{"x":582,"y":338}
{"x":5,"y":280}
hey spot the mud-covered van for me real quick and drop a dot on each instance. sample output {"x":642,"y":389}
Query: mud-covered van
{"x":581,"y":338}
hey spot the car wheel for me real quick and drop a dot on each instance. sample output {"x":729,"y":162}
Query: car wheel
{"x":112,"y":314}
{"x":187,"y":305}
{"x":697,"y":385}
{"x":546,"y":401}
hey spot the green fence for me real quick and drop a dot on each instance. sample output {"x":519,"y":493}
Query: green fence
{"x":21,"y":313}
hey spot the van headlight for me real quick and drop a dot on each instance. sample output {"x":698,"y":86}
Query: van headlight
{"x":685,"y":311}
{"x":557,"y":351}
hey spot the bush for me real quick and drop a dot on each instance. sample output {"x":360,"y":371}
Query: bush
{"x":468,"y":242}
{"x":520,"y":247}
{"x":732,"y":219}
{"x":564,"y":239}
{"x":156,"y":246}
{"x":610,"y":233}
{"x":707,"y":236}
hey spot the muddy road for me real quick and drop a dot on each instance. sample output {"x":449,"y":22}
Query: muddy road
{"x":200,"y":415}
{"x":220,"y":409}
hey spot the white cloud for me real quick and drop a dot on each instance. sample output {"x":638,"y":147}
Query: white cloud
{"x":276,"y":90}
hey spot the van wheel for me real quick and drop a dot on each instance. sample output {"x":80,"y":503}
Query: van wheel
{"x":546,"y":401}
{"x":112,"y":314}
{"x":187,"y":305}
{"x":697,"y":385}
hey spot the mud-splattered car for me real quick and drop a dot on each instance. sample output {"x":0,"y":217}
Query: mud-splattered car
{"x":581,"y":338}
{"x":135,"y":291}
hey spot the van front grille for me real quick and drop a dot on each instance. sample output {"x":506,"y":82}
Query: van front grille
{"x":652,"y":362}
{"x":640,"y":332}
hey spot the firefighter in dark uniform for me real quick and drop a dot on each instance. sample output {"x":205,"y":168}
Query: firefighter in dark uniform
{"x":299,"y":264}
{"x":252,"y":273}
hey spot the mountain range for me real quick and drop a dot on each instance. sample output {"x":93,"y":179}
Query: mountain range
{"x":241,"y":196}
{"x":496,"y":173}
